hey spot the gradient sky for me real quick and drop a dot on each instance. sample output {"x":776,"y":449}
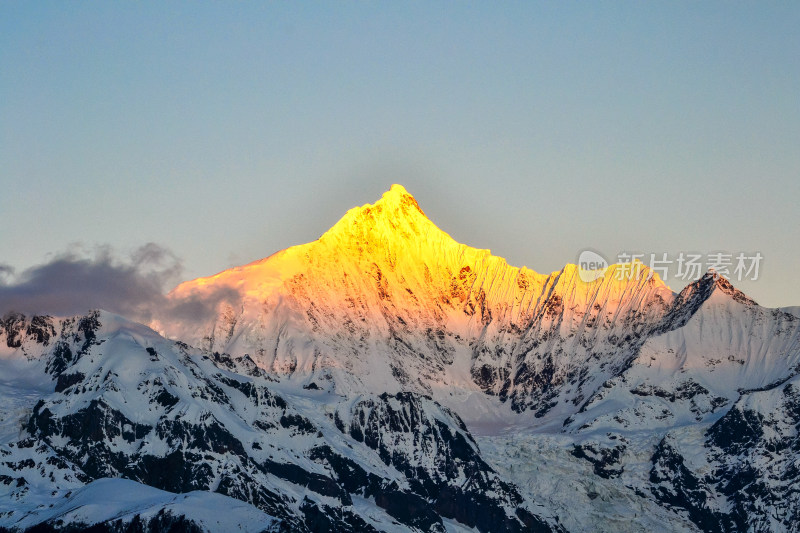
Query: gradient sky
{"x":226,"y":131}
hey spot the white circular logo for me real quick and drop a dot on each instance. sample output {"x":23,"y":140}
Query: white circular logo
{"x":591,"y":266}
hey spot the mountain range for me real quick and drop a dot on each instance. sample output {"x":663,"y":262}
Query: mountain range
{"x":388,"y":378}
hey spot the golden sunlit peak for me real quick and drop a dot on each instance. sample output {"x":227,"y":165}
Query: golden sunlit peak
{"x":397,"y":189}
{"x":396,"y":215}
{"x":397,"y":197}
{"x":397,"y":204}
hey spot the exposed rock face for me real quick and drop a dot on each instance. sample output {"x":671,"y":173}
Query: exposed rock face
{"x":744,"y":477}
{"x":399,"y":427}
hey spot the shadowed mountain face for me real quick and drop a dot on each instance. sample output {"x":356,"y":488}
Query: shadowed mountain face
{"x":360,"y":379}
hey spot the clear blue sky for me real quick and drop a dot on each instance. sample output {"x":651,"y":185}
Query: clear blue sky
{"x":228,"y":130}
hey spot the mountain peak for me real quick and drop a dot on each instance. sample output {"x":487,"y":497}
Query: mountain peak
{"x":396,"y":190}
{"x":725,"y":286}
{"x":395,"y":213}
{"x":711,"y":283}
{"x":397,"y":198}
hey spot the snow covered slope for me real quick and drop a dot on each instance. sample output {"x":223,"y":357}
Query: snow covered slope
{"x":116,"y":400}
{"x":743,"y":473}
{"x":711,"y":403}
{"x":694,"y":373}
{"x":124,"y":505}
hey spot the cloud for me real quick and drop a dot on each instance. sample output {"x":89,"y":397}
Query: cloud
{"x":199,"y":307}
{"x":133,"y":286}
{"x":6,"y":271}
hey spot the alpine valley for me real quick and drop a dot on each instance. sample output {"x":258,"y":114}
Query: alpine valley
{"x":387,"y":378}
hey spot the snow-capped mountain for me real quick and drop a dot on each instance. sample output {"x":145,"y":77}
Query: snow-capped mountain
{"x":388,"y":378}
{"x":386,"y":301}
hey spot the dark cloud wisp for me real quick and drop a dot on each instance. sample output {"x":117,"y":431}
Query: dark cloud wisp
{"x":133,"y":286}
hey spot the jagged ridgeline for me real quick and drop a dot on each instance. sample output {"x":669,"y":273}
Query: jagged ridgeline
{"x":387,"y":378}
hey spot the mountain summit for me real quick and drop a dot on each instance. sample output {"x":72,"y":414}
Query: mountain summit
{"x":393,"y":226}
{"x":396,"y":211}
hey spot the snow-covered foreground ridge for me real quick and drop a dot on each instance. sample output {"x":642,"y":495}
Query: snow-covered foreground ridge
{"x":388,"y":378}
{"x":88,"y":401}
